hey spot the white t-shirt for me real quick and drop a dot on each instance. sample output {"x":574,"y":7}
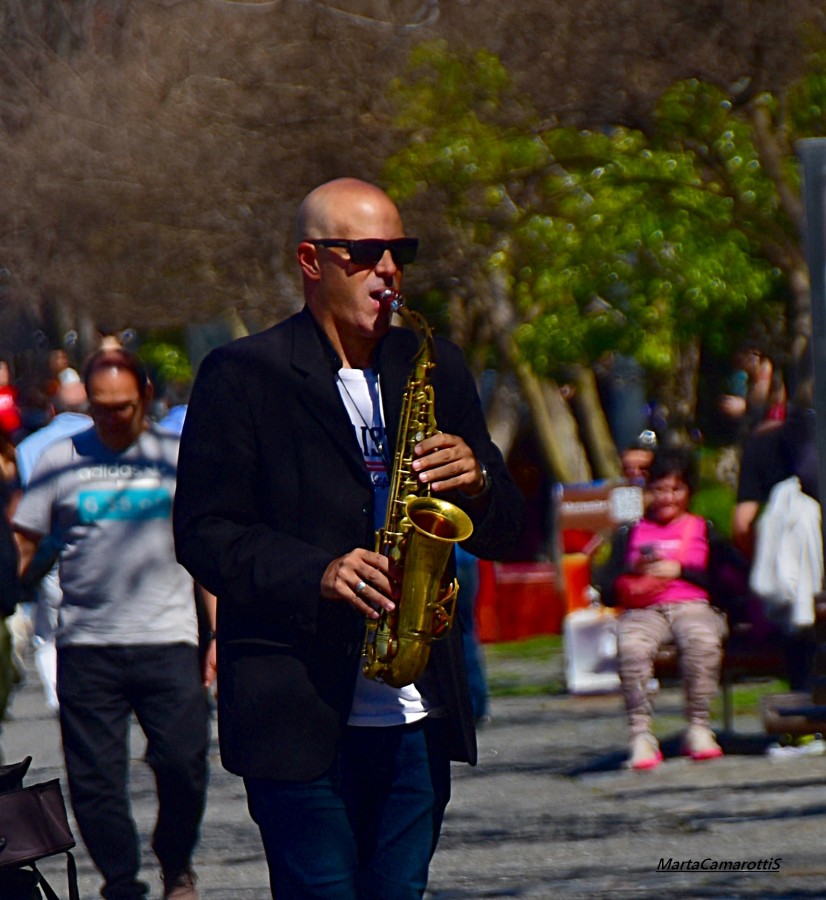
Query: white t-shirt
{"x":375,"y":703}
{"x":112,"y":514}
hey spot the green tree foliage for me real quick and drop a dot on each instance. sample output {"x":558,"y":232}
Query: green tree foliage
{"x":154,"y":153}
{"x":610,"y":240}
{"x":167,"y":362}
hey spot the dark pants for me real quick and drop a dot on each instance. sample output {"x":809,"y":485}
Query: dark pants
{"x":467,"y":572}
{"x":800,"y":650}
{"x":99,"y":688}
{"x":366,"y":829}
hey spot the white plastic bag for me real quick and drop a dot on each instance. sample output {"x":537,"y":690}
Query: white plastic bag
{"x":590,"y":640}
{"x":787,"y":570}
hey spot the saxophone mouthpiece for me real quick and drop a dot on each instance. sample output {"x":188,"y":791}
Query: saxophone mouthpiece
{"x":392,"y":298}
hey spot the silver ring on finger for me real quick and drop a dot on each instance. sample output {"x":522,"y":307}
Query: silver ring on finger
{"x":360,"y":587}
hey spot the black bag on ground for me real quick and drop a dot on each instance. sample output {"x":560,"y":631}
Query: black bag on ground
{"x":33,"y":826}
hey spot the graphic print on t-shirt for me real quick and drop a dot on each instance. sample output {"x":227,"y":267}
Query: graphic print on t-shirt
{"x":359,"y":390}
{"x":373,"y":441}
{"x":136,"y":493}
{"x":133,"y":504}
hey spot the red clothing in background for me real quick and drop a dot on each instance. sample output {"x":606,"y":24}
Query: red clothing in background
{"x":10,"y":420}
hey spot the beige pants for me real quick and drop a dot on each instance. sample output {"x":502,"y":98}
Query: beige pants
{"x":698,"y":631}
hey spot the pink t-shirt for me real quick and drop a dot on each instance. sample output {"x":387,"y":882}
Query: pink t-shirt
{"x":685,"y":539}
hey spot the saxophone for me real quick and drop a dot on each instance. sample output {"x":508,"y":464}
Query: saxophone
{"x":418,"y":536}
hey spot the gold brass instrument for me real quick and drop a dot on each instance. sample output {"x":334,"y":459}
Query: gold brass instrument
{"x":418,"y":535}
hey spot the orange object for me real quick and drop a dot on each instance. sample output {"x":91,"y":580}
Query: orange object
{"x":517,"y":600}
{"x":576,"y":575}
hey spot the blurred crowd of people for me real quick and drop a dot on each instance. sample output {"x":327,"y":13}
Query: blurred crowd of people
{"x":88,"y":478}
{"x":670,"y":571}
{"x":35,"y":411}
{"x":661,"y":572}
{"x":26,"y":412}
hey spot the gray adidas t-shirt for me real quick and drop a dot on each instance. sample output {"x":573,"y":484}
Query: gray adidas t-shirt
{"x":112,"y":512}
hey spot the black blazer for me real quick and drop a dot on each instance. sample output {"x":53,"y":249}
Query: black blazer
{"x":271,"y":487}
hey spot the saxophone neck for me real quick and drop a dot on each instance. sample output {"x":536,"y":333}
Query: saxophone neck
{"x":414,"y":320}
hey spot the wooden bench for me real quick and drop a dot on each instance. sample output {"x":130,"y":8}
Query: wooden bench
{"x":744,"y":658}
{"x":802,"y":713}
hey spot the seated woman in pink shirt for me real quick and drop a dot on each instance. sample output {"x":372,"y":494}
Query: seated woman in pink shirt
{"x":664,"y":589}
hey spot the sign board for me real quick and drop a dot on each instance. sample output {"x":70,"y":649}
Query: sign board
{"x":597,"y":507}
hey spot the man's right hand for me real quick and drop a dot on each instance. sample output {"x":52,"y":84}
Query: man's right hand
{"x":360,"y":578}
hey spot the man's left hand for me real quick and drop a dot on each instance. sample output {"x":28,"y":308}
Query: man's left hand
{"x":209,"y":669}
{"x":447,"y":463}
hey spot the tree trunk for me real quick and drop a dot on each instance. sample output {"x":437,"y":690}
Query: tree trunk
{"x":593,"y":426}
{"x":801,"y":317}
{"x":685,"y":403}
{"x":556,"y":428}
{"x":502,"y":414}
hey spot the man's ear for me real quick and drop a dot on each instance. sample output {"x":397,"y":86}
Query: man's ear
{"x":307,"y":256}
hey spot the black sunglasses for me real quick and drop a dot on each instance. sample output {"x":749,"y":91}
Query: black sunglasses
{"x":369,"y":251}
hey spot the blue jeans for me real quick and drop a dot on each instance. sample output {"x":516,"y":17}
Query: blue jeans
{"x":365,"y":830}
{"x":99,"y":688}
{"x":467,"y":571}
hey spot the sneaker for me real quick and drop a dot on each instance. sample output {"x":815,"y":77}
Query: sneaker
{"x":645,"y":752}
{"x":181,"y":887}
{"x":807,"y":745}
{"x":699,"y":743}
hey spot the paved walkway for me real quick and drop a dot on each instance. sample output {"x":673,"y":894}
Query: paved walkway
{"x":549,"y":812}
